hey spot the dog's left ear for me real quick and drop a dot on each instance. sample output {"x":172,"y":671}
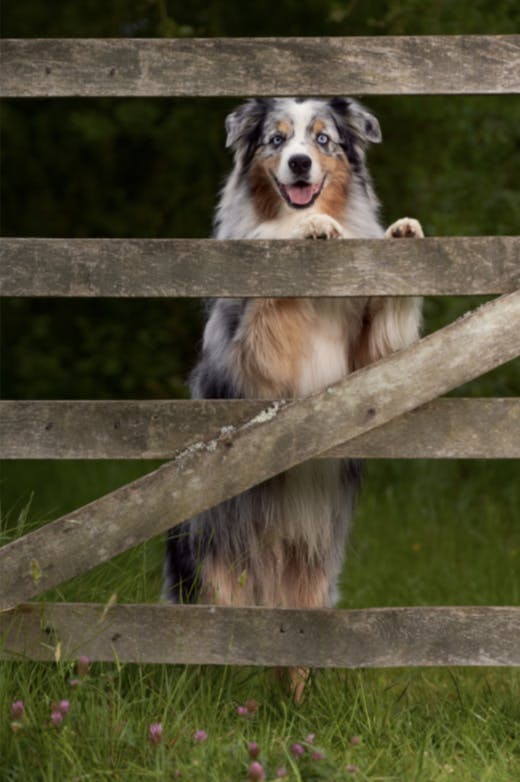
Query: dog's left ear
{"x":356,"y":118}
{"x":245,"y":121}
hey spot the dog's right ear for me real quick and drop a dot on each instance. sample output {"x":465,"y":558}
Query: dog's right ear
{"x":245,"y":122}
{"x":354,"y":117}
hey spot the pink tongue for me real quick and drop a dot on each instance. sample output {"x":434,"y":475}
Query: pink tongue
{"x":299,"y":194}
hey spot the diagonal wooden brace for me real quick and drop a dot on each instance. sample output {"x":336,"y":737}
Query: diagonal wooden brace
{"x":281,"y":436}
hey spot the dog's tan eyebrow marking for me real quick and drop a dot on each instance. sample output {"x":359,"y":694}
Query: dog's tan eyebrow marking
{"x":317,"y":125}
{"x":284,"y":127}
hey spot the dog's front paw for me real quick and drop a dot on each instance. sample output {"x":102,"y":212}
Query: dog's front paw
{"x":317,"y":226}
{"x":406,"y":228}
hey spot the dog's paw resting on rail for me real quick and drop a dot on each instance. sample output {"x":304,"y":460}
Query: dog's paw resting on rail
{"x":299,"y":172}
{"x":405,"y":228}
{"x":317,"y":226}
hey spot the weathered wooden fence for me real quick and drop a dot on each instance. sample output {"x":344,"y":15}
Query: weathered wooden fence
{"x":219,"y":448}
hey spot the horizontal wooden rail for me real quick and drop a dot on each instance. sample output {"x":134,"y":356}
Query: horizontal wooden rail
{"x":443,"y":429}
{"x":206,"y":267}
{"x":382,"y":65}
{"x":283,"y":435}
{"x":364,"y":638}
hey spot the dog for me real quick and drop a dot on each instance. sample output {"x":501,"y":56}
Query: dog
{"x":299,"y":173}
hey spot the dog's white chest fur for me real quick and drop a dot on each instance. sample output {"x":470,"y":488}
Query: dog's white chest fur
{"x":325,"y":361}
{"x":326,"y":357}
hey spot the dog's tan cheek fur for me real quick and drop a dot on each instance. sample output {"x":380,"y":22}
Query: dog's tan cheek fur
{"x":263,"y":193}
{"x":273,"y":344}
{"x":333,"y":199}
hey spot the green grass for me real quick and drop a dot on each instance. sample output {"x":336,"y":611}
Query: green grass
{"x":425,"y":533}
{"x":434,"y":725}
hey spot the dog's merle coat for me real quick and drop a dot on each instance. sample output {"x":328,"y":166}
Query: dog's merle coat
{"x":299,"y":172}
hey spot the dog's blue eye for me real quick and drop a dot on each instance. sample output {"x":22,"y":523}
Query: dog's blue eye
{"x":277,"y":140}
{"x":322,"y":139}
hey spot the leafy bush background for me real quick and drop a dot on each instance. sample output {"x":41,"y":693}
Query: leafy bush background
{"x":152,"y":168}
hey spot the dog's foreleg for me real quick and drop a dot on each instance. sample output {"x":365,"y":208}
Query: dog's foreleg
{"x":392,"y":323}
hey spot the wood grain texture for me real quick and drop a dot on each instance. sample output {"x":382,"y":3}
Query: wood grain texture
{"x":320,"y":638}
{"x":443,"y":429}
{"x":383,"y":65}
{"x":206,"y":267}
{"x":283,"y":435}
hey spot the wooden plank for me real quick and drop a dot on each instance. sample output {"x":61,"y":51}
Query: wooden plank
{"x":383,"y":65}
{"x":324,"y":638}
{"x":206,"y":267}
{"x":443,"y":429}
{"x":283,"y":435}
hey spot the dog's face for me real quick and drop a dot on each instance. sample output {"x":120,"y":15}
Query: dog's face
{"x":298,"y":153}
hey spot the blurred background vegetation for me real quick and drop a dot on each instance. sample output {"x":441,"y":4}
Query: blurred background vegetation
{"x":152,"y":168}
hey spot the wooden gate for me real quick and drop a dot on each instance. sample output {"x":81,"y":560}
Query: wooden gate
{"x":219,"y":448}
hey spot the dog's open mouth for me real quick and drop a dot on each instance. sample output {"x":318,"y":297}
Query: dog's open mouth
{"x":300,"y":194}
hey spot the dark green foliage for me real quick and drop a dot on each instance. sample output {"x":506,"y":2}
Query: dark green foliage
{"x":152,"y":168}
{"x":100,"y":349}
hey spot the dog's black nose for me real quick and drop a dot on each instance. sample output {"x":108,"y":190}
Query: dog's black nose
{"x":300,"y":164}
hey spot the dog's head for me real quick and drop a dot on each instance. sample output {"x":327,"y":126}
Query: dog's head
{"x":299,"y":153}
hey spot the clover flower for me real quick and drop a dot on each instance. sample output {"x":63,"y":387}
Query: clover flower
{"x":17,"y":709}
{"x":256,"y":771}
{"x":56,"y":718}
{"x":155,"y":733}
{"x":253,"y":749}
{"x":249,"y":707}
{"x":83,"y":665}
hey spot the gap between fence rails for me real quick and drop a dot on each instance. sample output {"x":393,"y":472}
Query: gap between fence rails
{"x":282,"y":436}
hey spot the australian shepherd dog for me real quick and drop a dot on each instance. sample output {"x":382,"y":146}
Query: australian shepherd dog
{"x":299,"y":173}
